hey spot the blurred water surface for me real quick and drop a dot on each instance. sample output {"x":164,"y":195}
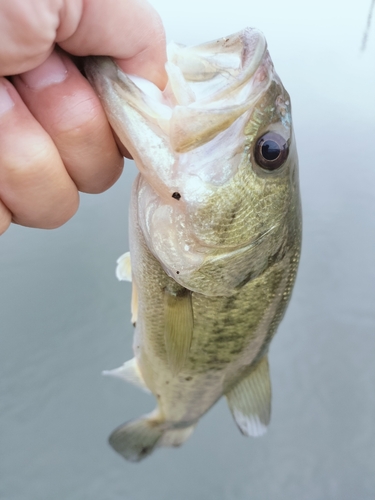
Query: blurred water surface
{"x":64,"y":317}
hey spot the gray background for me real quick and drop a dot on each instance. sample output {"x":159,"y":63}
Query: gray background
{"x":64,"y":317}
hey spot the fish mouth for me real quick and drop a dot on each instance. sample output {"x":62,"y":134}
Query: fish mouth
{"x":209,"y":87}
{"x":215,"y":69}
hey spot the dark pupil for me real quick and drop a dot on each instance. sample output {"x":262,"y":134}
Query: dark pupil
{"x":270,"y":150}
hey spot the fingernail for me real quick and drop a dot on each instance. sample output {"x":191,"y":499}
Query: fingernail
{"x":52,"y":71}
{"x":6,"y":102}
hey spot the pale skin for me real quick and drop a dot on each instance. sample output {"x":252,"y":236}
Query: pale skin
{"x":55,"y":139}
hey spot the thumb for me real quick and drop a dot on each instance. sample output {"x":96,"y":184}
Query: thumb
{"x":129,"y":30}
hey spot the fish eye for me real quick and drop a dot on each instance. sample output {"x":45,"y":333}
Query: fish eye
{"x":271,"y":151}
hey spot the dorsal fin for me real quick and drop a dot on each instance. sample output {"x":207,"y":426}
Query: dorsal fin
{"x":124,"y":273}
{"x":178,"y":332}
{"x":250,"y":401}
{"x":130,"y":372}
{"x":123,"y":268}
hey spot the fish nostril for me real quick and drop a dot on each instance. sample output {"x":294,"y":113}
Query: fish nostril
{"x":176,"y":195}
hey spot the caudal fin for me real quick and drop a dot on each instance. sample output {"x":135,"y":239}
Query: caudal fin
{"x":137,"y":439}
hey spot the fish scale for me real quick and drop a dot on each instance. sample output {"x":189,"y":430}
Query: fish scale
{"x":215,"y":233}
{"x":223,"y":216}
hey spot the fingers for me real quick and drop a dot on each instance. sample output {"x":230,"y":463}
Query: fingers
{"x":64,"y":103}
{"x":54,"y":136}
{"x":129,"y":30}
{"x":27,"y":33}
{"x":34,"y":185}
{"x":5,"y":218}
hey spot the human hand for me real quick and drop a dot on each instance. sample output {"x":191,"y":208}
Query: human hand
{"x":55,"y":139}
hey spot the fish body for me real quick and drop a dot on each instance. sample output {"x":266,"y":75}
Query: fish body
{"x":215,"y":232}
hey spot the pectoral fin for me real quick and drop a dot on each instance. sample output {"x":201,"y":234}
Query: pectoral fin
{"x":178,"y":332}
{"x":250,"y":401}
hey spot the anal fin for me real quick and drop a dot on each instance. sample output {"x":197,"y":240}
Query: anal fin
{"x":250,"y":401}
{"x":179,"y":324}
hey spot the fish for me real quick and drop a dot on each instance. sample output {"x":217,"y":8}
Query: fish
{"x":214,"y":230}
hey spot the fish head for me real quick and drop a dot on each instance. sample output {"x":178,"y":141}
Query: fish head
{"x":218,"y":192}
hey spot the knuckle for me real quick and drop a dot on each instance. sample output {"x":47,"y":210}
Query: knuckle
{"x":33,"y":154}
{"x":54,"y":213}
{"x":81,"y":116}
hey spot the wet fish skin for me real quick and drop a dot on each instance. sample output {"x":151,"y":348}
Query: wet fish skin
{"x":214,"y":237}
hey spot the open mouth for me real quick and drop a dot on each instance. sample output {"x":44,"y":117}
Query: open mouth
{"x":209,"y":87}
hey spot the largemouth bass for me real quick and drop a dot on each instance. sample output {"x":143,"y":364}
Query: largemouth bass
{"x":215,"y":232}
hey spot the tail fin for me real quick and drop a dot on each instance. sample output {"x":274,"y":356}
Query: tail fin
{"x":137,"y":439}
